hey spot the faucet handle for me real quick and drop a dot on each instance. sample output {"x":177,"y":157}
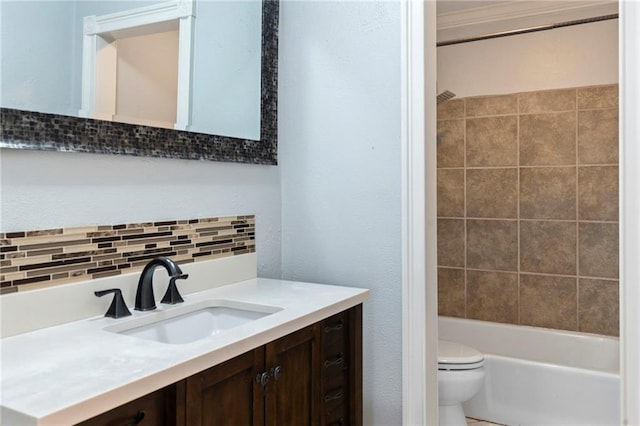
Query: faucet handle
{"x":118,"y":308}
{"x":172,"y":295}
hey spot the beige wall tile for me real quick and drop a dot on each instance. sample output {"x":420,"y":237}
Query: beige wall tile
{"x":551,"y":195}
{"x":598,"y":309}
{"x":548,"y":139}
{"x":548,"y":247}
{"x":451,"y":290}
{"x":598,"y":97}
{"x":598,"y":249}
{"x":492,"y":244}
{"x":548,"y":193}
{"x":492,"y":296}
{"x":492,"y":105}
{"x":492,"y":193}
{"x":450,"y":144}
{"x":492,"y":141}
{"x":451,"y":242}
{"x":548,"y":101}
{"x":598,"y":136}
{"x":548,"y":301}
{"x":451,"y":192}
{"x":598,"y":193}
{"x":453,"y":108}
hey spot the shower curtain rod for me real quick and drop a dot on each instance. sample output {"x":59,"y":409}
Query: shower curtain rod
{"x":527,"y":30}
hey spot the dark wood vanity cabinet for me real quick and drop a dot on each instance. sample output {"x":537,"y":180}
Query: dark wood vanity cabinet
{"x":341,"y":368}
{"x":155,"y":409}
{"x":312,"y":376}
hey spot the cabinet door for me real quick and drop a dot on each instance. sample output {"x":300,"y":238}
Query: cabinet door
{"x":292,"y":393}
{"x":154,"y":409}
{"x":227,"y":394}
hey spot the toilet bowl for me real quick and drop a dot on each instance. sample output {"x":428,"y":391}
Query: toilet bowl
{"x":460,"y":376}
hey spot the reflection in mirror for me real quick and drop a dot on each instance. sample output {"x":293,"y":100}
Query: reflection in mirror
{"x":169,"y":64}
{"x":38,"y":101}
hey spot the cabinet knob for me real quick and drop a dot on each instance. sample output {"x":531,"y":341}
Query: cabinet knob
{"x":263,"y":379}
{"x":276,"y":372}
{"x":136,"y":419}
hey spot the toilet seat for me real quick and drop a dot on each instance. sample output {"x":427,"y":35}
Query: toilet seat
{"x":456,"y":356}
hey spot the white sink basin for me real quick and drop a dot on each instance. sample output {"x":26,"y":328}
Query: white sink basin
{"x":186,"y":324}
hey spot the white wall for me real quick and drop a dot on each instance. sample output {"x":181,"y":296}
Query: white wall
{"x":26,"y":83}
{"x":581,"y":55}
{"x":339,"y":154}
{"x":60,"y":189}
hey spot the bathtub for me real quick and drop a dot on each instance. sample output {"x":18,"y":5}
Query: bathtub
{"x":538,"y":376}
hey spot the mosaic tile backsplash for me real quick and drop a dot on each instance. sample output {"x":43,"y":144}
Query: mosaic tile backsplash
{"x":528,"y":208}
{"x":42,"y":258}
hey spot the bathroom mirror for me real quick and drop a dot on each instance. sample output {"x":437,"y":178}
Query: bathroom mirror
{"x":37,"y":128}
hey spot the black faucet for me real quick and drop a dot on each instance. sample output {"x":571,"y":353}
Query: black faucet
{"x":145,"y":300}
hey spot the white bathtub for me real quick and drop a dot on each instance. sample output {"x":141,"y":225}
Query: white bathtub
{"x":537,"y":376}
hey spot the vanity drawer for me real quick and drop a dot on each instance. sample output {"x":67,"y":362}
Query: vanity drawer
{"x":335,"y":407}
{"x":341,"y":371}
{"x":154,"y":409}
{"x":335,"y":331}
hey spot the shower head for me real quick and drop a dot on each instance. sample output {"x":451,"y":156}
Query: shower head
{"x":445,"y":96}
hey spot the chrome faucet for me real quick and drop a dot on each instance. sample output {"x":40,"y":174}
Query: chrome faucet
{"x":145,"y":299}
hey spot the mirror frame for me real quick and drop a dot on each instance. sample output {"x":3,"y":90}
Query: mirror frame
{"x":52,"y":132}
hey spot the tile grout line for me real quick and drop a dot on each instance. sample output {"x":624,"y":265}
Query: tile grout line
{"x":464,"y":188}
{"x":528,"y":273}
{"x":577,"y":227}
{"x":519,"y":289}
{"x":559,"y":111}
{"x":514,"y":219}
{"x":537,"y":166}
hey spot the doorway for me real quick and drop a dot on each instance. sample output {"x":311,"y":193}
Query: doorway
{"x":419,"y":22}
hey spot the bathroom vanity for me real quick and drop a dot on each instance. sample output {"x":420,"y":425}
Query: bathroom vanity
{"x":311,"y":376}
{"x":298,"y":363}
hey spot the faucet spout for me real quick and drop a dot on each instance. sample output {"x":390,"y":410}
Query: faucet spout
{"x":145,"y":299}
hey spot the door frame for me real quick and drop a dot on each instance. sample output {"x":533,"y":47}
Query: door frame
{"x":629,"y":184}
{"x":419,"y":250}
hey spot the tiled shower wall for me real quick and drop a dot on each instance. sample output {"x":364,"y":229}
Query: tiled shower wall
{"x":528,"y":208}
{"x":47,"y":257}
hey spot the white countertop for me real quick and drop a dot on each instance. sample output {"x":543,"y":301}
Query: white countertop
{"x":68,"y":373}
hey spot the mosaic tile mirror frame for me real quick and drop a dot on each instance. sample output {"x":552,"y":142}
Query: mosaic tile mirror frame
{"x":51,"y":132}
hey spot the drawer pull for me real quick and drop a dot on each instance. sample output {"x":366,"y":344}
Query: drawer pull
{"x":334,"y":327}
{"x":332,"y":396}
{"x":339,"y":422}
{"x":336,"y":360}
{"x":136,"y":419}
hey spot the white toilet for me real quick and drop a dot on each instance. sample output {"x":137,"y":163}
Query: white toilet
{"x":460,"y":376}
